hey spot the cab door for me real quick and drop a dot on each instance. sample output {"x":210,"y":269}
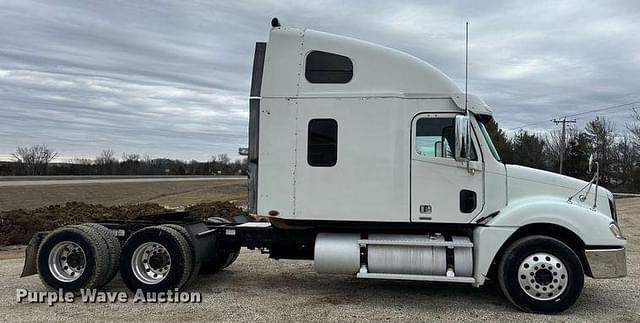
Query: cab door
{"x":443,"y":190}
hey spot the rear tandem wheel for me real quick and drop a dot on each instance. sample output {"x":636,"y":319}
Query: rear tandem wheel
{"x":72,"y":258}
{"x":156,"y":259}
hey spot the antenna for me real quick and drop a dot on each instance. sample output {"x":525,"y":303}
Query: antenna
{"x":466,"y":66}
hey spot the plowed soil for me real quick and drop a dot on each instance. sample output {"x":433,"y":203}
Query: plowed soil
{"x":107,"y":193}
{"x":17,"y":226}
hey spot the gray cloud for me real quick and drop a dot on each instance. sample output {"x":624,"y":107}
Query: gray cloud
{"x":171,"y":78}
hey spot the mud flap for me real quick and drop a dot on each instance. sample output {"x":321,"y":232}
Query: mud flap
{"x":204,"y":246}
{"x":31,"y":253}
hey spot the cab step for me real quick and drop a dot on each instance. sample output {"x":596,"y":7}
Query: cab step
{"x":434,"y":278}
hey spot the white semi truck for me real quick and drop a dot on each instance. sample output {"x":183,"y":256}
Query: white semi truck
{"x":372,"y":163}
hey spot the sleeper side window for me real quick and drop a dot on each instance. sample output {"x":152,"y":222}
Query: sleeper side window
{"x":323,"y":67}
{"x":435,"y":137}
{"x":322,"y":145}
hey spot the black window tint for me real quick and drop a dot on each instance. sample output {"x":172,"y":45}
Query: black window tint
{"x":322,"y":147}
{"x":323,"y":67}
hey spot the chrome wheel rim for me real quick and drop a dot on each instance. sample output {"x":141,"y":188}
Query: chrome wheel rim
{"x":67,"y":261}
{"x":151,"y":262}
{"x":542,"y":276}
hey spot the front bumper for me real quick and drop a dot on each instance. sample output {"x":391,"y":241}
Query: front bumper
{"x":607,"y":263}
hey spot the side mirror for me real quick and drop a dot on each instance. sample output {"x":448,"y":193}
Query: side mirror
{"x":462,"y":138}
{"x":590,"y":164}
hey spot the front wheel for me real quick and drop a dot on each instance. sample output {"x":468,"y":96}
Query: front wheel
{"x":541,"y":274}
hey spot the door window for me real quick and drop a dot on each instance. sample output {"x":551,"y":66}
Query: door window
{"x":435,"y":137}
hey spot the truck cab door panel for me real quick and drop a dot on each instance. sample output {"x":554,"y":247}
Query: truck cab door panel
{"x":442,"y":189}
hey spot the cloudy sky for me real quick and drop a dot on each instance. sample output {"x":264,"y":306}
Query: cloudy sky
{"x":171,"y":78}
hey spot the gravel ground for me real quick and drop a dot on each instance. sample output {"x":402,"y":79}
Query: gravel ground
{"x":256,"y":288}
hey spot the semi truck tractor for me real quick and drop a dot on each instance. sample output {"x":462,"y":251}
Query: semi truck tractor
{"x":373,"y":163}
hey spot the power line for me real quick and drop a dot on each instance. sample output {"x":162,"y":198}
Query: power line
{"x":603,"y":109}
{"x":609,"y":113}
{"x":613,"y":107}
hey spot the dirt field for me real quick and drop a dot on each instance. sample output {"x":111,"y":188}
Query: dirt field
{"x":256,"y":288}
{"x":18,"y":226}
{"x":163,"y":193}
{"x":77,"y":177}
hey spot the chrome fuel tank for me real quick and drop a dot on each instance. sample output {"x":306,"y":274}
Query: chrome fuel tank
{"x":404,"y":254}
{"x":403,"y":259}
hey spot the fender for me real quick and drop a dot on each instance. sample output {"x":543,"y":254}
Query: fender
{"x":592,"y":227}
{"x":486,"y":243}
{"x":589,"y":225}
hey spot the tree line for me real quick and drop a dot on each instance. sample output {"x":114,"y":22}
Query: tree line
{"x":616,"y":152}
{"x":38,"y":160}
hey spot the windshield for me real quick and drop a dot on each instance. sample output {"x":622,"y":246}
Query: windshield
{"x":487,"y":138}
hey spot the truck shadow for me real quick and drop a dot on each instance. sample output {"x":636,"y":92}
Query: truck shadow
{"x":299,"y":284}
{"x":313,"y":289}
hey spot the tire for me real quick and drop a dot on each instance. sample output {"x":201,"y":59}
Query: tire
{"x":193,"y":276}
{"x":541,"y":274}
{"x":100,"y":241}
{"x":224,"y":258}
{"x":73,"y":258}
{"x":167,"y":252}
{"x":113,"y":245}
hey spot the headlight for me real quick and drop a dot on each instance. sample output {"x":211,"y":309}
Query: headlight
{"x":615,"y":230}
{"x":612,"y":208}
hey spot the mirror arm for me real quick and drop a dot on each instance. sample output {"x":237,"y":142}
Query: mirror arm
{"x":594,"y":181}
{"x":582,"y":189}
{"x":597,"y":179}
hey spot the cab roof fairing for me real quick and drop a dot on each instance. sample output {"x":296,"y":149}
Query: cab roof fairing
{"x":378,"y":70}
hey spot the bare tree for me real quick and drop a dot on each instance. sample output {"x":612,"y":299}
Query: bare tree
{"x":35,"y":158}
{"x":553,"y":146}
{"x":223,"y":159}
{"x":106,"y":162}
{"x":130,"y":158}
{"x":131,"y":164}
{"x":147,"y":159}
{"x":624,"y":161}
{"x":601,"y":132}
{"x":107,"y":157}
{"x":634,"y":127}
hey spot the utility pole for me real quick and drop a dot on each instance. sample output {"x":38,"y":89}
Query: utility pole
{"x":564,"y":121}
